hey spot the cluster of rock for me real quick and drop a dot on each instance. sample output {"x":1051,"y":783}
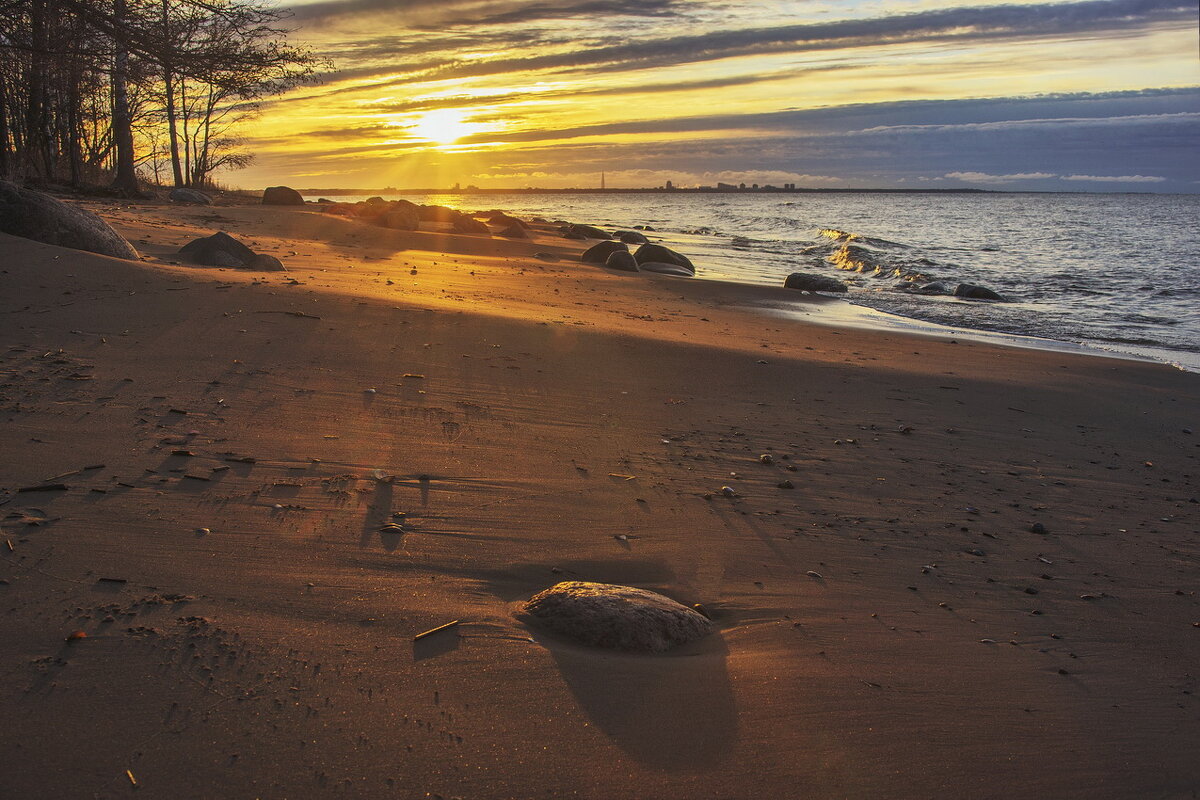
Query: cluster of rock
{"x":38,"y":216}
{"x":647,"y":258}
{"x":222,"y":250}
{"x":616,"y":617}
{"x":404,"y":215}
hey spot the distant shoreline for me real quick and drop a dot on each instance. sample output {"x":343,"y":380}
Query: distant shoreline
{"x":657,"y":190}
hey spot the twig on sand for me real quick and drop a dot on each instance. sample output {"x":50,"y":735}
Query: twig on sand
{"x":438,"y":629}
{"x":290,"y":314}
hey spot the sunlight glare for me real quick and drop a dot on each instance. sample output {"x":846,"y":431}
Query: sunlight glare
{"x":444,"y":126}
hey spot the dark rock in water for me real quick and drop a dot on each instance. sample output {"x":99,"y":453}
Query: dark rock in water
{"x":642,"y":228}
{"x":184,"y":195}
{"x":664,"y":268}
{"x":972,"y":292}
{"x":573,"y":235}
{"x":588,"y":232}
{"x":807,"y":282}
{"x":375,"y":201}
{"x":437,"y":214}
{"x":218,"y":250}
{"x":282,"y":196}
{"x":265,"y":263}
{"x":617,"y":617}
{"x":514,"y":232}
{"x":649,"y":253}
{"x":465,"y":224}
{"x":400,"y":218}
{"x":934,"y":288}
{"x":323,"y":200}
{"x":34,"y":215}
{"x":622,"y":260}
{"x":631,"y":237}
{"x":599,"y":253}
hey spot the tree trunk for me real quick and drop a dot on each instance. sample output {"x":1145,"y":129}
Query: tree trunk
{"x":36,"y":135}
{"x":5,"y":160}
{"x":125,"y":176}
{"x":172,"y":127}
{"x":169,"y":83}
{"x":187,"y":148}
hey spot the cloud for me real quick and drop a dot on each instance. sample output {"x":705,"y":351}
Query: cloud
{"x":951,"y":24}
{"x":983,"y":177}
{"x":479,"y":12}
{"x":1115,"y":178}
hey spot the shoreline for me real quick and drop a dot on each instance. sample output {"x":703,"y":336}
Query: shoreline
{"x":890,"y":625}
{"x":721,"y":263}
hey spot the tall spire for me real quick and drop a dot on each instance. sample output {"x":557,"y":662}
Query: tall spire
{"x":601,"y":181}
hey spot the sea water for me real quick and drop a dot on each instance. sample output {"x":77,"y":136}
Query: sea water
{"x":1112,"y":272}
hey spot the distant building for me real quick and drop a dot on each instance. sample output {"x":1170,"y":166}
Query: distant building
{"x":725,"y":186}
{"x":754,"y":186}
{"x":670,"y":186}
{"x":742,"y":185}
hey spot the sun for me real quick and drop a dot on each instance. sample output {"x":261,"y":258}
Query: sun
{"x":445,"y":126}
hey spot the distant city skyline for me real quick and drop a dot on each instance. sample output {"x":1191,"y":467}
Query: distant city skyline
{"x":1092,"y":95}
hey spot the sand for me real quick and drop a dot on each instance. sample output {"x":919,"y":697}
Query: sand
{"x":231,"y":444}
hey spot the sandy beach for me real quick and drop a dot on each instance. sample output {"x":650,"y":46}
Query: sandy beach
{"x":208,"y":456}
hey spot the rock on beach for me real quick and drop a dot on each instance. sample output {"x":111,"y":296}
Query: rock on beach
{"x":616,"y":617}
{"x":34,"y":215}
{"x":182,"y":194}
{"x":599,"y":253}
{"x":222,"y":250}
{"x":282,"y":196}
{"x":653,"y":254}
{"x":807,"y":282}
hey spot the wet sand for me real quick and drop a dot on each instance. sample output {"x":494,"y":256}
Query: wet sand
{"x":889,"y":627}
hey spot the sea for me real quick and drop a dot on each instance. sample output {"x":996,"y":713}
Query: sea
{"x":1117,"y":274}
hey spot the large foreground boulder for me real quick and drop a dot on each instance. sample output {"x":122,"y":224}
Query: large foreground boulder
{"x":599,"y":253}
{"x":182,"y":194}
{"x":618,"y":617}
{"x":222,"y":250}
{"x":34,"y":215}
{"x":807,"y":282}
{"x":282,"y":196}
{"x":657,"y":254}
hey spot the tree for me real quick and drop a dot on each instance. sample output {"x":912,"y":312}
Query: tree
{"x":85,"y":85}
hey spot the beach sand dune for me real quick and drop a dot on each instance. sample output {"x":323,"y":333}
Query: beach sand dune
{"x":274,"y":481}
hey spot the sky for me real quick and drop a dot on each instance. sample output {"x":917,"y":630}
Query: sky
{"x":1098,"y":95}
